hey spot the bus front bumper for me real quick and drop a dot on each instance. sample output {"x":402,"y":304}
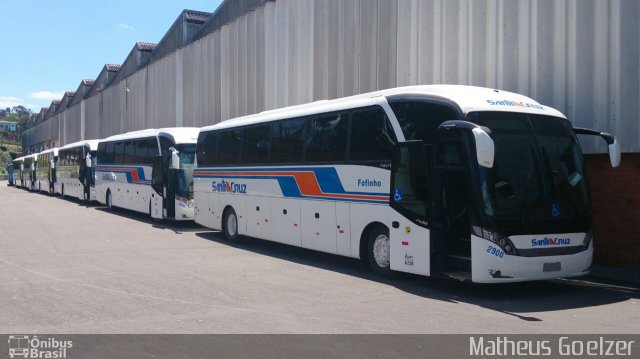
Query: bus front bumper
{"x":488,"y":267}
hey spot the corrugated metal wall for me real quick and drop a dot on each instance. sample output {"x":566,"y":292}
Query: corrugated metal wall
{"x":580,"y":56}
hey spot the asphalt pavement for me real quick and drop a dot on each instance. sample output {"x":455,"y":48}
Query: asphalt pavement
{"x":70,"y":268}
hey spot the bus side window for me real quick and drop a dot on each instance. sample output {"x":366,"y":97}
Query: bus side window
{"x":207,"y":145}
{"x":109,"y":153}
{"x":287,"y":141}
{"x":372,"y":138}
{"x":165,"y":144}
{"x":231,"y":143}
{"x":141,"y":151}
{"x":130,"y":152}
{"x":409,"y":193}
{"x":327,"y":138}
{"x":255,"y":148}
{"x":118,"y":153}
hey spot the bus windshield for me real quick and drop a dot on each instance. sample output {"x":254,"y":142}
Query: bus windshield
{"x":538,"y":174}
{"x":185,"y":173}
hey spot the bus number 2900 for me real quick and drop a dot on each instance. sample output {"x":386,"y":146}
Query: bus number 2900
{"x":495,"y":251}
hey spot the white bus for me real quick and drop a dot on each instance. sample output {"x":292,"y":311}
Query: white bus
{"x":29,"y":171}
{"x":461,"y":181}
{"x":46,"y":170}
{"x":126,"y":163}
{"x":75,"y":175}
{"x":18,"y":168}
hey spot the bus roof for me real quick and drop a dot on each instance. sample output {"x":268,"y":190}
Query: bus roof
{"x":179,"y":134}
{"x":468,"y":98}
{"x":93,"y":144}
{"x":51,"y":150}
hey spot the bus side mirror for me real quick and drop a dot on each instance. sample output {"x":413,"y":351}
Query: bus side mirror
{"x":485,"y":148}
{"x":87,"y":161}
{"x":175,"y":160}
{"x":612,"y":143}
{"x":157,"y":175}
{"x":614,"y":153}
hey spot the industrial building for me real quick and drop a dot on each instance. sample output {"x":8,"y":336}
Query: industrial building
{"x":581,"y":57}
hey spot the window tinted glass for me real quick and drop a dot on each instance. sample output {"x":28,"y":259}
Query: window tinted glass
{"x":207,"y":149}
{"x":108,"y":153}
{"x":420,"y":120}
{"x":230,"y":144}
{"x":287,"y":141}
{"x":118,"y":153}
{"x":327,"y":138}
{"x":130,"y":153}
{"x":165,"y":143}
{"x":372,"y":137}
{"x":256,"y":144}
{"x":141,"y":150}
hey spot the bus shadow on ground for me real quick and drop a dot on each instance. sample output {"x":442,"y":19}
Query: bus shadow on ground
{"x":515,"y":299}
{"x":178,"y":227}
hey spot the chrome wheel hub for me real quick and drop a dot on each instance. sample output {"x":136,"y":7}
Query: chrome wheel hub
{"x":232,"y":224}
{"x":381,"y":250}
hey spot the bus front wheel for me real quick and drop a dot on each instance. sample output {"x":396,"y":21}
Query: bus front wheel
{"x":230,"y":225}
{"x":378,"y":251}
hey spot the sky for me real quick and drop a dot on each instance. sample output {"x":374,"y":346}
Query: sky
{"x":48,"y":47}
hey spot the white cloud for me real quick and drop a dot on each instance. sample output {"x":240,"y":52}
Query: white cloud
{"x":9,"y":101}
{"x":46,"y":95}
{"x":12,"y":101}
{"x":125,"y":26}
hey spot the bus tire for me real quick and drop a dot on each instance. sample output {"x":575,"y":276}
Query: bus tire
{"x":378,"y":251}
{"x":230,"y":225}
{"x":109,"y":200}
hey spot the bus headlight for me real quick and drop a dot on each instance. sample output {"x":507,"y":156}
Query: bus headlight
{"x":502,"y":241}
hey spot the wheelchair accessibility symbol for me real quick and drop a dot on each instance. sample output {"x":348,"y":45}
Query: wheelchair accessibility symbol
{"x":397,"y":195}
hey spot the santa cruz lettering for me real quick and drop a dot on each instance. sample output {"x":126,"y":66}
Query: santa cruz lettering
{"x":230,"y":187}
{"x":550,"y":241}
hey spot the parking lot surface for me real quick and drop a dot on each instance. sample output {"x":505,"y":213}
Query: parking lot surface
{"x":70,"y":268}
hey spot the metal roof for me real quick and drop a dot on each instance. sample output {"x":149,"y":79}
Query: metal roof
{"x":138,"y":57}
{"x":104,"y":79}
{"x":227,"y":12}
{"x":181,"y":33}
{"x":145,"y":46}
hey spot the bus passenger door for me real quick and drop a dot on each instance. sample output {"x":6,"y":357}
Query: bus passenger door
{"x":408,"y":233}
{"x":451,"y":237}
{"x":158,"y":185}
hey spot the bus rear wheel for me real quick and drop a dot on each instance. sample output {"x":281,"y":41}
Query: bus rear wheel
{"x":378,"y":251}
{"x":230,"y":225}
